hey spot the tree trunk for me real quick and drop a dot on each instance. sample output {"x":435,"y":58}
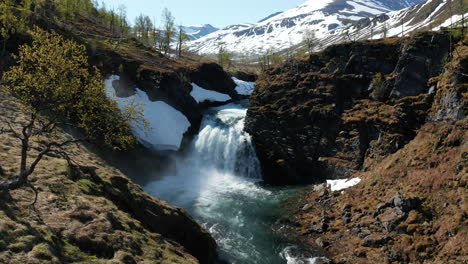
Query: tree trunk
{"x":24,"y":154}
{"x":4,"y":47}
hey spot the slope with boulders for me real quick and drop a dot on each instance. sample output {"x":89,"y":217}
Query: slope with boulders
{"x":407,"y":145}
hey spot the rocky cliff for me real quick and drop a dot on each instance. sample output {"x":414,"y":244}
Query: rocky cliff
{"x":390,"y":112}
{"x":345,"y":108}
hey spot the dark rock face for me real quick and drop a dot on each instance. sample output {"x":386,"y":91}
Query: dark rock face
{"x":418,"y":62}
{"x":211,"y":76}
{"x":245,"y":76}
{"x":450,"y":90}
{"x":316,"y":118}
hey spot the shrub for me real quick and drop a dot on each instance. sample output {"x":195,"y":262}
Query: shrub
{"x":379,"y":87}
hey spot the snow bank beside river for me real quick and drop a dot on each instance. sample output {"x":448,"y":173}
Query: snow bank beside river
{"x":167,"y":125}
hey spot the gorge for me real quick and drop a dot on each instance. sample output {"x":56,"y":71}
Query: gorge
{"x":354,"y":152}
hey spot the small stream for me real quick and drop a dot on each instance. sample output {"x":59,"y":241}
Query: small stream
{"x":218,"y":182}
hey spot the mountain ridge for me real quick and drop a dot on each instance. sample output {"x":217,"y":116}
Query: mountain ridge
{"x":198,"y":31}
{"x":282,"y":30}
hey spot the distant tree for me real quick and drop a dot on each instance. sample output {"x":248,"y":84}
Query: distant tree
{"x":244,"y":58}
{"x":55,"y":85}
{"x":463,"y":8}
{"x":275,"y":58}
{"x":309,"y":40}
{"x":224,"y":56}
{"x":112,"y":21}
{"x":384,"y":30}
{"x":289,"y":51}
{"x":182,"y":38}
{"x":169,"y":29}
{"x":142,"y":28}
{"x":403,"y":27}
{"x":301,"y":52}
{"x":122,"y":10}
{"x":264,"y":61}
{"x":270,"y":58}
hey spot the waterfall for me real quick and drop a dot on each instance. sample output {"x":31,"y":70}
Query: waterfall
{"x":218,"y":181}
{"x":223,"y":144}
{"x":221,"y":156}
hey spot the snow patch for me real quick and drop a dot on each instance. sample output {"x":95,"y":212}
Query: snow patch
{"x":167,"y":125}
{"x":201,"y":95}
{"x":338,"y":185}
{"x":243,"y":87}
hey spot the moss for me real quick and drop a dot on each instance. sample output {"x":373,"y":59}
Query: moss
{"x":73,"y":254}
{"x":44,"y":252}
{"x":20,"y":247}
{"x":86,"y":186}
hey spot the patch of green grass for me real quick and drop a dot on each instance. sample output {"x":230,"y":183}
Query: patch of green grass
{"x":44,"y":252}
{"x":86,"y":185}
{"x":73,"y":254}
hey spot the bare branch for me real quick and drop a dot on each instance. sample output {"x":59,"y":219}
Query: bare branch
{"x":27,"y":129}
{"x":23,"y":177}
{"x":46,"y":127}
{"x":13,"y":131}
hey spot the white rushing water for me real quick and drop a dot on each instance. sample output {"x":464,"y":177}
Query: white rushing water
{"x":218,"y":182}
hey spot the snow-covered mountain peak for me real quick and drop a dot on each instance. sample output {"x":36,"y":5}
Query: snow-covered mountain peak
{"x":198,"y":31}
{"x":315,"y":4}
{"x":284,"y":29}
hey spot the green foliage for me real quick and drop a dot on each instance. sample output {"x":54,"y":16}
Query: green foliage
{"x":169,"y":29}
{"x":10,"y":22}
{"x":379,"y":87}
{"x":301,"y":52}
{"x":53,"y":77}
{"x":276,"y":59}
{"x":271,"y":58}
{"x":309,"y":40}
{"x":143,"y":27}
{"x":224,"y":57}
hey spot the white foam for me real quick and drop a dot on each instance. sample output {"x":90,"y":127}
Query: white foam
{"x":243,"y":87}
{"x":290,"y":257}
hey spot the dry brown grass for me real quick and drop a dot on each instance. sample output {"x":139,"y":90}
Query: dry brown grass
{"x":433,"y":168}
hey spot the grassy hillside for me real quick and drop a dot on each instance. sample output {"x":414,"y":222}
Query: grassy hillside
{"x":88,"y":211}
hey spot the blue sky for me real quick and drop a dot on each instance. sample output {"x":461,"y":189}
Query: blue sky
{"x":219,"y":13}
